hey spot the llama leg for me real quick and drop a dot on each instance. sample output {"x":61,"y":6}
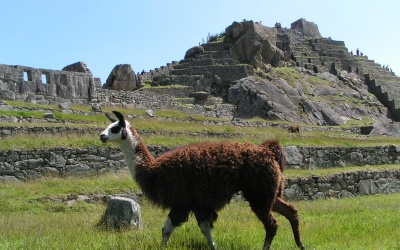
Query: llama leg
{"x":167,"y":230}
{"x":176,"y":217}
{"x":206,"y":230}
{"x":290,"y":212}
{"x":205,"y":218}
{"x":270,"y":223}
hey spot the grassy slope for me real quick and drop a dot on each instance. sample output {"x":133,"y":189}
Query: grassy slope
{"x":357,"y":223}
{"x":174,"y":133}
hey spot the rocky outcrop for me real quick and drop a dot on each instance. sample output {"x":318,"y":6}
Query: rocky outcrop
{"x":252,"y":43}
{"x":122,"y":77}
{"x":259,"y":97}
{"x":317,"y":98}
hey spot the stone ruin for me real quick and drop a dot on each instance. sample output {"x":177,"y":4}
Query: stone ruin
{"x":74,"y":83}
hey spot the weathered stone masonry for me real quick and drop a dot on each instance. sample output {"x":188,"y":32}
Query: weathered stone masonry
{"x":46,"y":86}
{"x":22,"y":165}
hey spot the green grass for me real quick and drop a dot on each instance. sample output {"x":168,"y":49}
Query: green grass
{"x":178,"y":133}
{"x":49,"y":141}
{"x":367,"y":222}
{"x":80,"y":118}
{"x":291,"y":75}
{"x":24,"y":114}
{"x":20,"y":104}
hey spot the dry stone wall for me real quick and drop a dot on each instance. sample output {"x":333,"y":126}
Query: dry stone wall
{"x":22,"y":165}
{"x":323,"y":157}
{"x":345,"y":185}
{"x":164,"y":98}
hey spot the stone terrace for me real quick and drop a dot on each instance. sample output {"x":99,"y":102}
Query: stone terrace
{"x":327,"y":55}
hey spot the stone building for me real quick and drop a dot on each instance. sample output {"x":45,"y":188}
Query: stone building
{"x":75,"y":83}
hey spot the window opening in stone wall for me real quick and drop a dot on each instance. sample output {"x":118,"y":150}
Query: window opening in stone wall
{"x":27,"y":76}
{"x":45,"y":78}
{"x":63,"y":79}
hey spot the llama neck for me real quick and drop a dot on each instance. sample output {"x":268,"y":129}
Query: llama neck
{"x":135,"y":153}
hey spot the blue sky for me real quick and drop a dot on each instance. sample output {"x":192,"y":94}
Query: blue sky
{"x":149,"y":34}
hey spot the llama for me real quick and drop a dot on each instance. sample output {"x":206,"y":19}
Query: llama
{"x":294,"y":129}
{"x":202,"y":178}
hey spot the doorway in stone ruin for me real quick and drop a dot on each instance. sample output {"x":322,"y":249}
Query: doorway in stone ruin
{"x":45,"y":78}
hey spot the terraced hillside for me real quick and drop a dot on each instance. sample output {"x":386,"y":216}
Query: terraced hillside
{"x":326,"y":55}
{"x":233,"y":63}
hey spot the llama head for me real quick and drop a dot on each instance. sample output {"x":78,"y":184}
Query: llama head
{"x":117,"y":130}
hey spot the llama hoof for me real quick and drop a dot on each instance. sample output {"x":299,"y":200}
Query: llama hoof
{"x":213,"y":246}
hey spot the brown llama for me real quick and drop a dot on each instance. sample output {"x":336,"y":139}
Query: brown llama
{"x":202,"y":178}
{"x":294,"y":129}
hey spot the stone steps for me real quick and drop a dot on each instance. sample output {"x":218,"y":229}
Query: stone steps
{"x":321,"y":54}
{"x":213,"y":46}
{"x":227,"y":72}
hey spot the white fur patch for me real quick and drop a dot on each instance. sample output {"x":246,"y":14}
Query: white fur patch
{"x":206,"y":230}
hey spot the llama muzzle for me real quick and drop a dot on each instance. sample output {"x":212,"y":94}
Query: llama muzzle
{"x":103,"y":138}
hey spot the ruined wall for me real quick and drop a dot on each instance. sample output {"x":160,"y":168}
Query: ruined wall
{"x":17,"y":164}
{"x":22,"y":165}
{"x":46,"y":86}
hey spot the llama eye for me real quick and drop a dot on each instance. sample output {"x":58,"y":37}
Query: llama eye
{"x":115,"y":129}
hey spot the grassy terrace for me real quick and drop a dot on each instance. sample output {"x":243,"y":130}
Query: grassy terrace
{"x":165,"y":132}
{"x":34,"y":214}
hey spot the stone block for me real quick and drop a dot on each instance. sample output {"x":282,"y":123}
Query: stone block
{"x":122,"y":213}
{"x":367,"y":187}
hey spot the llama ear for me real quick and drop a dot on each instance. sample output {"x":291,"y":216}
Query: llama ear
{"x":110,"y":118}
{"x":120,"y":118}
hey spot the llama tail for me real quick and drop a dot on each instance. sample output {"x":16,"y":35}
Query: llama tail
{"x":279,"y":153}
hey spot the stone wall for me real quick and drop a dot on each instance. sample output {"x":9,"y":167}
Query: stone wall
{"x":161,"y":99}
{"x":298,"y":157}
{"x":25,"y":165}
{"x":32,"y":164}
{"x":22,"y":165}
{"x":328,"y":157}
{"x":345,"y":185}
{"x":44,"y":86}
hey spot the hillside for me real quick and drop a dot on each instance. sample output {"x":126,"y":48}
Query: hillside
{"x":292,"y":74}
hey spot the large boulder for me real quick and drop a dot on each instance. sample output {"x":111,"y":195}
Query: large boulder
{"x":122,"y":213}
{"x":192,"y":52}
{"x":389,"y":129}
{"x":122,"y":77}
